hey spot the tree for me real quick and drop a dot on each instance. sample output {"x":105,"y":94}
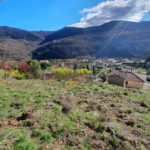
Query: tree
{"x":94,"y":72}
{"x":148,"y":71}
{"x":15,"y":67}
{"x":88,"y":67}
{"x":34,"y":68}
{"x":135,"y":65}
{"x":45,"y":65}
{"x":120,"y":59}
{"x":147,"y":65}
{"x":75,"y":67}
{"x":5,"y":55}
{"x":148,"y":59}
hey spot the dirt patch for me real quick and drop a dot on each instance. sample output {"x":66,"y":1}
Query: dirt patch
{"x":32,"y":117}
{"x":66,"y":105}
{"x":129,"y":122}
{"x":9,"y":123}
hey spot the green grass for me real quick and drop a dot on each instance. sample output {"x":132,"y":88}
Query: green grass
{"x":84,"y":123}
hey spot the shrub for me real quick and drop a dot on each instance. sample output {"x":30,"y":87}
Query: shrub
{"x":15,"y":73}
{"x":84,"y":71}
{"x":62,"y":73}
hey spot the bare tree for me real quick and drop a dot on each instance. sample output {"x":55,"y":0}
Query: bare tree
{"x":5,"y":55}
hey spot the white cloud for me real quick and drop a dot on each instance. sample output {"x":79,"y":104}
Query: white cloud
{"x":110,"y":10}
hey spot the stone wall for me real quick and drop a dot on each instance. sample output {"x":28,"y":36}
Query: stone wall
{"x":116,"y":80}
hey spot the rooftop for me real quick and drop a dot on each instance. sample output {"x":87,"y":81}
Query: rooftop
{"x":129,"y":76}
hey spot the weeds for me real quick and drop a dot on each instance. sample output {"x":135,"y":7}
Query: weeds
{"x":129,"y":111}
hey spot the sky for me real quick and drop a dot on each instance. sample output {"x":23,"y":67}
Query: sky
{"x":51,"y":15}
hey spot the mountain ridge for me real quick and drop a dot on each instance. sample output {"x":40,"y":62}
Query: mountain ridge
{"x":112,"y":39}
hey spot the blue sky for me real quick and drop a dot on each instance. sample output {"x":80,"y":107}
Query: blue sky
{"x":50,"y":15}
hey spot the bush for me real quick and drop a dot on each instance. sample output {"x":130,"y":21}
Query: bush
{"x":84,"y":71}
{"x":62,"y":73}
{"x":15,"y":73}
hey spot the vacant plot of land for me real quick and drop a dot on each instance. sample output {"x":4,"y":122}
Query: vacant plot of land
{"x":43,"y":115}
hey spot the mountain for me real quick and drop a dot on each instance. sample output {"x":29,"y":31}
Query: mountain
{"x":19,"y":43}
{"x":65,"y":32}
{"x":15,"y":33}
{"x":114,"y":27}
{"x":113,"y":39}
{"x":43,"y":33}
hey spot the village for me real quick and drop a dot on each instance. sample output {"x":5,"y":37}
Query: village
{"x":129,"y":73}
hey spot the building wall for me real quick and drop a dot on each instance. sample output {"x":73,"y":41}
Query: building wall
{"x":25,"y":68}
{"x":134,"y":84}
{"x":115,"y":80}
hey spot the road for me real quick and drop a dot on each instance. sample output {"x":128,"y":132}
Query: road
{"x":146,"y":86}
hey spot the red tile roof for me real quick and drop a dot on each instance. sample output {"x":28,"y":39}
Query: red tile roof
{"x":19,"y":63}
{"x":43,"y":60}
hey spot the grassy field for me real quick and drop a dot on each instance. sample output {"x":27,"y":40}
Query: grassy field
{"x":43,"y":115}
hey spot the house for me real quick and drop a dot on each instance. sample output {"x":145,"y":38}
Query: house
{"x":128,"y":62}
{"x":42,"y":61}
{"x":125,"y":68}
{"x":126,"y":79}
{"x":20,"y":64}
{"x":85,"y":59}
{"x":111,"y":60}
{"x":99,"y":62}
{"x":124,"y":60}
{"x":142,"y":61}
{"x":58,"y":65}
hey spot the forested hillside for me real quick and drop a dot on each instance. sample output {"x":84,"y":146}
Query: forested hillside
{"x":113,"y":39}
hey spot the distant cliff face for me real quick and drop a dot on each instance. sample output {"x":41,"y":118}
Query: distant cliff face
{"x":113,"y":39}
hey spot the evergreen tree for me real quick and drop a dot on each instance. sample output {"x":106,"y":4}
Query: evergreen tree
{"x":94,"y":72}
{"x":88,"y":67}
{"x":75,"y":66}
